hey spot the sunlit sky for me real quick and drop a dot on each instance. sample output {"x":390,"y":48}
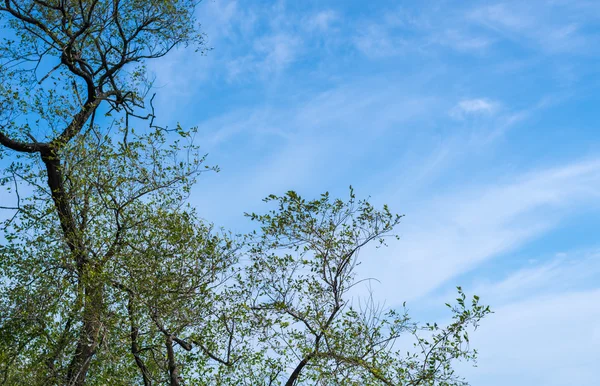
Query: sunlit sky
{"x":478,"y":120}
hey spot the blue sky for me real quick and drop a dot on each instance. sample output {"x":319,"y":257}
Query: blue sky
{"x":476,"y":119}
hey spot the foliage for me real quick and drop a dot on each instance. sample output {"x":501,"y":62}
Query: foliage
{"x":302,"y":274}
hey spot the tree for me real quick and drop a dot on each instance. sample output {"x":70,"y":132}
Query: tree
{"x":108,"y":276}
{"x":151,"y":267}
{"x":88,"y":50}
{"x":310,"y":320}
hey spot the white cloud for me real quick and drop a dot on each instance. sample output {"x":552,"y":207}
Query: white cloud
{"x":376,"y":41}
{"x":534,"y":277}
{"x":550,"y":27}
{"x":226,"y":19}
{"x":391,"y":33}
{"x":270,"y":56}
{"x":401,"y":31}
{"x":452,"y":234}
{"x":277,"y":51}
{"x":321,"y":21}
{"x":565,"y":272}
{"x":346,"y":111}
{"x":241,"y":50}
{"x":332,"y":128}
{"x":546,"y":323}
{"x":502,"y":16}
{"x":463,"y":41}
{"x":546,"y":340}
{"x":558,"y":27}
{"x":474,"y":106}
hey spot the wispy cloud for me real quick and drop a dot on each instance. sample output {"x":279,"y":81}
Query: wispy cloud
{"x":545,"y":340}
{"x":546,"y":317}
{"x":272,"y":54}
{"x":555,"y":27}
{"x":376,"y":41}
{"x":394,"y":32}
{"x":277,"y":51}
{"x":321,"y":21}
{"x":536,"y":276}
{"x":464,"y":41}
{"x":452,"y":234}
{"x":334,"y":128}
{"x":474,"y":106}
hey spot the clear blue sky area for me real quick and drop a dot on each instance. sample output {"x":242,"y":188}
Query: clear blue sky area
{"x":478,"y":120}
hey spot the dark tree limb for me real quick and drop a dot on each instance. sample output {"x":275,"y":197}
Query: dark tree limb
{"x":174,"y":378}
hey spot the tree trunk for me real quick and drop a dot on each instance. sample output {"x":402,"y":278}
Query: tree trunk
{"x":173,"y":369}
{"x":296,"y":373}
{"x":135,"y":347}
{"x":88,"y":274}
{"x":89,"y":336}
